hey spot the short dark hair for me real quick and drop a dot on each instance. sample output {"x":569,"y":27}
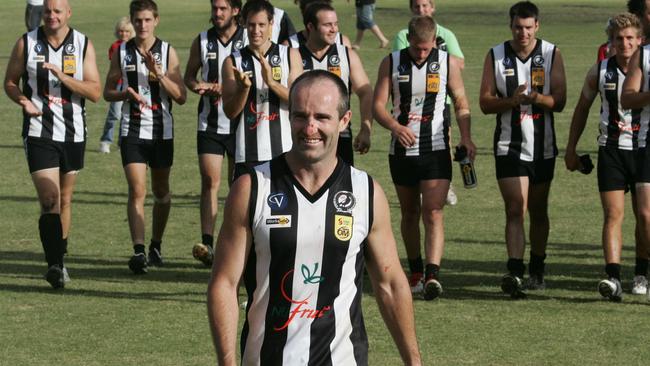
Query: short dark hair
{"x":141,"y":5}
{"x":235,"y":4}
{"x":524,"y":9}
{"x":304,"y":4}
{"x":636,"y":7}
{"x":257,"y":6}
{"x":311,"y":13}
{"x":313,"y":77}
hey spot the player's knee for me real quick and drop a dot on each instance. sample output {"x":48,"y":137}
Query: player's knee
{"x":411,"y":214}
{"x":515,"y":211}
{"x":137,"y":193}
{"x":162,"y":198}
{"x":209,"y":182}
{"x":49,"y":202}
{"x":432,"y":215}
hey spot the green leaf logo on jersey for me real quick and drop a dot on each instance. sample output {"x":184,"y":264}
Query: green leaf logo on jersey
{"x":311,"y":277}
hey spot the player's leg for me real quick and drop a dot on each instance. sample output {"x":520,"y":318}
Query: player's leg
{"x":613,"y":203}
{"x":210,"y":169}
{"x":160,"y":213}
{"x":434,"y":193}
{"x":640,"y":281}
{"x":538,"y":232}
{"x":136,"y":177}
{"x":514,"y":191}
{"x":67,"y":183}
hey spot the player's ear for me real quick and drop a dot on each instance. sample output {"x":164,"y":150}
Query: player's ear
{"x":344,"y":121}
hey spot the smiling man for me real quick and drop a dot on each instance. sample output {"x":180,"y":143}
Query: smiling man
{"x":524,"y":84}
{"x":300,"y":229}
{"x":57,"y":64}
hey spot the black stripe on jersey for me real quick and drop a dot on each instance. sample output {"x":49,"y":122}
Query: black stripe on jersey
{"x":307,"y":58}
{"x":538,"y":113}
{"x":66,"y":97}
{"x":250,"y":109}
{"x":250,"y":279}
{"x":27,"y":90}
{"x":512,"y":82}
{"x":275,"y":127}
{"x":405,"y":62}
{"x":636,"y":115}
{"x":135,"y":116}
{"x":156,"y":101}
{"x":282,"y":243}
{"x":428,"y":108}
{"x":611,"y":98}
{"x":335,"y":251}
{"x":213,"y":77}
{"x":43,"y":86}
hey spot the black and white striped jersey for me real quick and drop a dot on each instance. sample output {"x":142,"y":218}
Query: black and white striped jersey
{"x":283,"y":28}
{"x":153,"y":120}
{"x":336,"y":60}
{"x":213,"y":52}
{"x":63,"y":116}
{"x":263,"y":130}
{"x":619,"y":127}
{"x":644,"y":131}
{"x":418,"y":95}
{"x":526,"y":132}
{"x":304,"y":273}
{"x":298,"y":39}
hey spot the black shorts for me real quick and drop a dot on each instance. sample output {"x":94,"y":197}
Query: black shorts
{"x":211,"y":143}
{"x":411,"y":170}
{"x":643,"y":165}
{"x":616,"y":169}
{"x":344,"y":150}
{"x":47,"y":154}
{"x":540,"y":171}
{"x":157,"y":154}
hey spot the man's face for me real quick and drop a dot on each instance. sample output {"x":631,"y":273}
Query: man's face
{"x":524,"y":30}
{"x":626,"y":41}
{"x":315,"y":122}
{"x":258,"y":27}
{"x":223,"y":14}
{"x":419,"y":49}
{"x":423,"y":7}
{"x":56,"y":14}
{"x":144,"y":23}
{"x":328,"y":26}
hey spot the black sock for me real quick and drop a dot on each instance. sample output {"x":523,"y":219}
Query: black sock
{"x":536,"y":265}
{"x":207,"y":239}
{"x":416,"y":265}
{"x":138,"y":248}
{"x":613,"y":270}
{"x":641,"y":267}
{"x":431,"y":270}
{"x":51,"y":232}
{"x":516,"y":267}
{"x":65,"y":246}
{"x":155,"y":244}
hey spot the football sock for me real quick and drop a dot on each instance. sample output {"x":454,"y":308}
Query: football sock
{"x":432,"y":270}
{"x":613,"y":270}
{"x":641,"y":267}
{"x":155,"y":244}
{"x":207,"y":239}
{"x":536,"y":265}
{"x":516,"y":267}
{"x":138,"y":248}
{"x":416,"y":265}
{"x":65,"y":246}
{"x":51,"y":233}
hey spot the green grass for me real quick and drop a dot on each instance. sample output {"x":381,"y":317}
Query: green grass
{"x":106,"y":316}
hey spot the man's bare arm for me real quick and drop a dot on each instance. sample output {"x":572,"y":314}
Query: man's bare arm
{"x":580,"y":115}
{"x":360,"y":85}
{"x":632,"y":97}
{"x":461,"y":106}
{"x":236,"y":86}
{"x":15,"y":69}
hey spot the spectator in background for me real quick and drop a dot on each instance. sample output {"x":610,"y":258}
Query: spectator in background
{"x":33,"y":14}
{"x":365,"y":15}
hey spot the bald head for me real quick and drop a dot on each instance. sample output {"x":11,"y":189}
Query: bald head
{"x":56,"y":14}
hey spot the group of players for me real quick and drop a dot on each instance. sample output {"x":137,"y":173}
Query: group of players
{"x":264,"y":107}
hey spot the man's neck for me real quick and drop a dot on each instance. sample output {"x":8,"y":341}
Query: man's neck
{"x":144,"y":45}
{"x":524,"y":51}
{"x":56,"y":37}
{"x":262,"y":49}
{"x":622,"y":62}
{"x":226,"y":34}
{"x":317,"y":47}
{"x":311,"y":176}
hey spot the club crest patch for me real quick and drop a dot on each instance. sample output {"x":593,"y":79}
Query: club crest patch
{"x":343,"y":227}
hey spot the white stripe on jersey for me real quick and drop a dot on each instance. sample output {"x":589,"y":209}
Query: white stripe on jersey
{"x":526,"y":115}
{"x":54,"y":98}
{"x":605,"y":84}
{"x":645,"y":87}
{"x":277,"y":24}
{"x":144,"y":89}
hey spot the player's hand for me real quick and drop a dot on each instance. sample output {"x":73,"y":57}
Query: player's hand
{"x":153,"y":66}
{"x":267,"y":73}
{"x":572,"y":161}
{"x":133,"y":96}
{"x":469,"y":147}
{"x":242,"y":78}
{"x":55,"y":70}
{"x":30,"y":109}
{"x":362,"y":141}
{"x":519,"y":94}
{"x":528,"y":98}
{"x":211,"y":89}
{"x":404,"y":135}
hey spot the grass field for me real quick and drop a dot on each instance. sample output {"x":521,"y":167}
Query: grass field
{"x":106,"y":316}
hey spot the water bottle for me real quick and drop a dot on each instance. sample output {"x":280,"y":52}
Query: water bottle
{"x":466,"y":167}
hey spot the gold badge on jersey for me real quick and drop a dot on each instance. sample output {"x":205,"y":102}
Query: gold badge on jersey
{"x":537,"y":76}
{"x":343,"y":227}
{"x":609,"y":86}
{"x":69,"y":64}
{"x":509,"y":72}
{"x":277,"y":73}
{"x":211,"y":55}
{"x":433,"y":83}
{"x":336,"y":70}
